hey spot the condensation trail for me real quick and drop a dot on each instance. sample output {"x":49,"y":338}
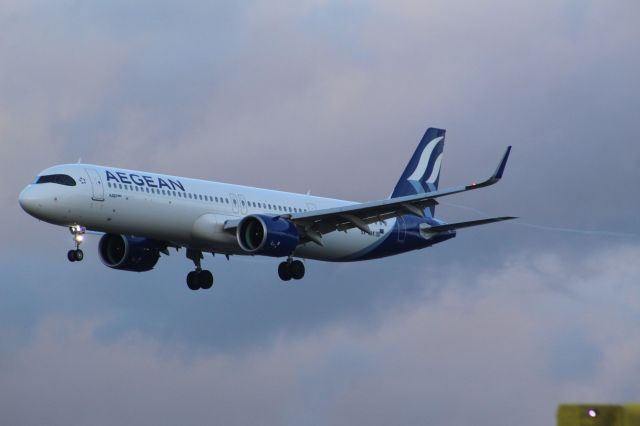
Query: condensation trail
{"x":549,"y":228}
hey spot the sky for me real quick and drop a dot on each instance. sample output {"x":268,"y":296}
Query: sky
{"x":494,"y":327}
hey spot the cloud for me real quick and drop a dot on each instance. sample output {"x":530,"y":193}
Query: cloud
{"x":331,"y":97}
{"x":492,"y":339}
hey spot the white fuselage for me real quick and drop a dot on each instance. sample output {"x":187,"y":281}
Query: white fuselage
{"x":180,"y":211}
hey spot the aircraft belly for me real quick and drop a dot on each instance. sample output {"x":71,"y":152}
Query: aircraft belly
{"x":338,"y":245}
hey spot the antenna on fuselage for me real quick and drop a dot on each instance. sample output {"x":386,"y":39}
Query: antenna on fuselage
{"x":79,"y":160}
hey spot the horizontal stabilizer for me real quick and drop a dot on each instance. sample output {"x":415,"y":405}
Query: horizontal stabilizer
{"x":459,"y":225}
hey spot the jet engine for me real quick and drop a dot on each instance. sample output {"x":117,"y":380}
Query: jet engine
{"x":267,"y":235}
{"x":128,"y":253}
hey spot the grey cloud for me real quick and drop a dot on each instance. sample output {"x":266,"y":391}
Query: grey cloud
{"x":332,"y":98}
{"x":485,"y":343}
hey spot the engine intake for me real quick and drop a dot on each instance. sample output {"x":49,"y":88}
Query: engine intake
{"x":128,"y":253}
{"x":267,"y":235}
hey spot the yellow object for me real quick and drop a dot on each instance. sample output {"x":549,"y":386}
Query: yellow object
{"x":598,"y":415}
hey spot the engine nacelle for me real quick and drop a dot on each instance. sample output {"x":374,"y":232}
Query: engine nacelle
{"x":128,"y":253}
{"x":267,"y":235}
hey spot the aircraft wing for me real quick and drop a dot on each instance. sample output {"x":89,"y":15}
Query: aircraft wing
{"x":313,"y":224}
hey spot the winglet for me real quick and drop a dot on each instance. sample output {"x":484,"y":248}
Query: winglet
{"x":497,"y":175}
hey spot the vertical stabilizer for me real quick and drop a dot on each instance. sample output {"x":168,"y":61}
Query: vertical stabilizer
{"x":422,"y":174}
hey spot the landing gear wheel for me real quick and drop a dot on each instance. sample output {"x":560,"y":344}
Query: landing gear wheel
{"x":297,"y":269}
{"x":78,"y":254}
{"x":192,"y":280}
{"x":284,"y":271}
{"x":75,"y":255}
{"x":206,"y":279}
{"x":200,"y":278}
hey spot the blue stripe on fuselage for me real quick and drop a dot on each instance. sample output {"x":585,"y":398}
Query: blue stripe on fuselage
{"x":399,"y":240}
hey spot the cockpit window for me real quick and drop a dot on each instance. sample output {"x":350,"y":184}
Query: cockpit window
{"x":59,"y":179}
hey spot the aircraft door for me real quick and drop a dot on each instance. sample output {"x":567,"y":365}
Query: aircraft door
{"x":402,"y":229}
{"x":243,"y":204}
{"x":97,"y":190}
{"x":234,"y":203}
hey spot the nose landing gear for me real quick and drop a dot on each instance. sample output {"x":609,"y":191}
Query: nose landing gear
{"x":291,"y":269}
{"x":200,"y":278}
{"x":78,"y":236}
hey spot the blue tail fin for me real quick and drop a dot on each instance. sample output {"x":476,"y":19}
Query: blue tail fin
{"x":422,"y":174}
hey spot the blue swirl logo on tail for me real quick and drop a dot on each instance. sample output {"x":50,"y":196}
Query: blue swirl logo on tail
{"x":428,"y":161}
{"x":422,"y":173}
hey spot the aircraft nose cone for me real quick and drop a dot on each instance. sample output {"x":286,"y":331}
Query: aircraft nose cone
{"x":28,"y":201}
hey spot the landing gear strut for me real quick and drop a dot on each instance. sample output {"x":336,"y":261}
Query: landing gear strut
{"x":78,"y":236}
{"x":200,"y":278}
{"x":291,"y":269}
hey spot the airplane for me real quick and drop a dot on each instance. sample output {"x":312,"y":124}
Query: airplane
{"x":141,"y":215}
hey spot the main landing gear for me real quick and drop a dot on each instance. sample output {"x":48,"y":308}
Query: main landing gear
{"x":78,"y":236}
{"x":200,"y":278}
{"x":291,"y":269}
